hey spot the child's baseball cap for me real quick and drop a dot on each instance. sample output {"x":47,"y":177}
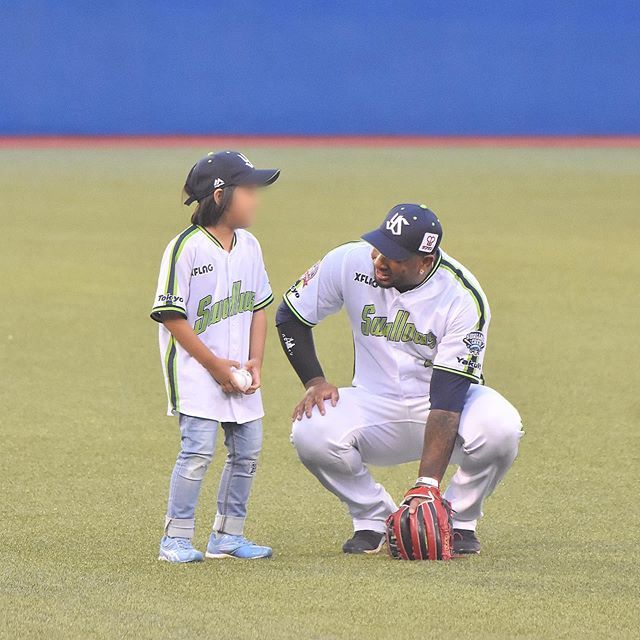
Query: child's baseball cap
{"x":224,"y":169}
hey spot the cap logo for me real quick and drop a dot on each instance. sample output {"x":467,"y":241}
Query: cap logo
{"x":245,"y":160}
{"x":396,"y":223}
{"x":218,"y":182}
{"x":429,"y":242}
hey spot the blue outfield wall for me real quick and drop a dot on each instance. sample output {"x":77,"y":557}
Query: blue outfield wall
{"x":330,"y":67}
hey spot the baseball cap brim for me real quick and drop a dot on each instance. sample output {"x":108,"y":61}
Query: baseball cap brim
{"x":386,"y":246}
{"x":260,"y":177}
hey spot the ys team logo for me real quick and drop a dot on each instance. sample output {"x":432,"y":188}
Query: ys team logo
{"x":245,"y":160}
{"x":396,"y":223}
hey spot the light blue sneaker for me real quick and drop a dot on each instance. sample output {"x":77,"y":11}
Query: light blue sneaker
{"x":223,"y":545}
{"x":178,"y":550}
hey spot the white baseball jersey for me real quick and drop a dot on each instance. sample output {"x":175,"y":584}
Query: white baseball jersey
{"x":399,"y":337}
{"x":217,"y":292}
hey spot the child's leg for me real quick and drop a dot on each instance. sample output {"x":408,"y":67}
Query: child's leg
{"x":198,"y":446}
{"x":243,"y":442}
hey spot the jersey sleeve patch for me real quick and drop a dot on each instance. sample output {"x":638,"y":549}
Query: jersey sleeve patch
{"x":317,"y":293}
{"x":474,"y":340}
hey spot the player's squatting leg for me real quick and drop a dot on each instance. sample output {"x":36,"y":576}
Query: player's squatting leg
{"x":366,"y":429}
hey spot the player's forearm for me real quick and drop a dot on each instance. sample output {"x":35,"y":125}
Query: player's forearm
{"x":296,"y":340}
{"x":182,"y":331}
{"x":258,"y":335}
{"x":439,"y":439}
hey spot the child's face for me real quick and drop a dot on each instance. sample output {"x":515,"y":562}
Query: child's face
{"x":242,"y":210}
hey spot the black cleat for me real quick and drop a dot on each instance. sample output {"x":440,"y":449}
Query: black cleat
{"x":465,"y":542}
{"x":364,"y":541}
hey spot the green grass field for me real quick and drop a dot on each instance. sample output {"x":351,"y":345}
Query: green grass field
{"x":86,"y":450}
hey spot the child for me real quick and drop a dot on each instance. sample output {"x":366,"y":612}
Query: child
{"x":212,"y":292}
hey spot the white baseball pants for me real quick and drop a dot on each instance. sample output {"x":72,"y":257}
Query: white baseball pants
{"x":366,"y":429}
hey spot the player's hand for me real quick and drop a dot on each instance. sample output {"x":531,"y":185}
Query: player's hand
{"x":430,"y":494}
{"x":413,"y":504}
{"x":318,"y":390}
{"x":253,"y":366}
{"x":221,"y":372}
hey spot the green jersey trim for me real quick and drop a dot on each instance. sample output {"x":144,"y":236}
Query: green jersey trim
{"x":477,"y":298}
{"x":475,"y":294}
{"x":265,"y":303}
{"x":460,"y":373}
{"x":157,"y":312}
{"x":432,"y":273}
{"x":178,"y":246}
{"x":296,"y":314}
{"x":215,"y":240}
{"x":170,"y":363}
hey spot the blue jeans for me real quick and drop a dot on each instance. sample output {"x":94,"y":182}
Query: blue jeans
{"x":243,"y":442}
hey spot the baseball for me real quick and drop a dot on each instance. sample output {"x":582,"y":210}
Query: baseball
{"x":243,"y":378}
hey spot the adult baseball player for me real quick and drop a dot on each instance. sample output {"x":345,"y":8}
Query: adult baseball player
{"x":419,"y":320}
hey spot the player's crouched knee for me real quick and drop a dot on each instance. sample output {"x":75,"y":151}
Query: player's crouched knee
{"x":308,"y":437}
{"x":504,"y":430}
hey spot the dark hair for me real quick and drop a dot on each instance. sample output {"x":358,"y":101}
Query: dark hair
{"x":208,"y":212}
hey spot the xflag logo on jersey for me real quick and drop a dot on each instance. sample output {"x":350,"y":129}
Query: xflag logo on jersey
{"x":408,"y":230}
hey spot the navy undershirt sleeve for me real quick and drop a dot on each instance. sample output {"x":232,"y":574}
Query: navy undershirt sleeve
{"x":283,"y":314}
{"x":296,"y":340}
{"x":448,"y":390}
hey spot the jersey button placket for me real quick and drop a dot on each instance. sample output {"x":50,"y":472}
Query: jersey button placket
{"x":237,"y":334}
{"x":393,"y":310}
{"x":233,"y":344}
{"x":231,"y":350}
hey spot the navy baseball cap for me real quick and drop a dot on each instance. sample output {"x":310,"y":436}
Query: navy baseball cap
{"x":224,"y":169}
{"x":408,"y":230}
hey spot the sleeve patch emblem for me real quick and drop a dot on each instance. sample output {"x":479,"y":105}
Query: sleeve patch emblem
{"x":306,"y":277}
{"x":474,"y":342}
{"x":303,"y":280}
